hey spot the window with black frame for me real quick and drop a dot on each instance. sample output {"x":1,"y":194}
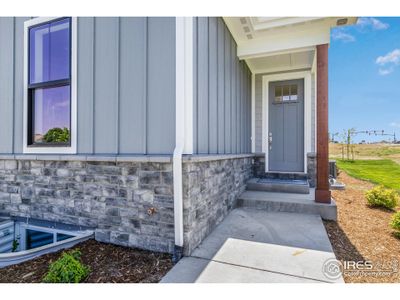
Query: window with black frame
{"x":49,"y":83}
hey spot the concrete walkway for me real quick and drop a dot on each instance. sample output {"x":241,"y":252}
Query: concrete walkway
{"x":258,"y":246}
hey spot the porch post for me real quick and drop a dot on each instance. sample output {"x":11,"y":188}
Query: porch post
{"x":322,"y":192}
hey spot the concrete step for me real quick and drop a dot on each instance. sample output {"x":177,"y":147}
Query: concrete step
{"x":285,"y":175}
{"x":287,"y":202}
{"x":297,"y":186}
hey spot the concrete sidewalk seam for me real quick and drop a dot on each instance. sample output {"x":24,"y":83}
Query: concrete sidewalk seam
{"x":258,"y":269}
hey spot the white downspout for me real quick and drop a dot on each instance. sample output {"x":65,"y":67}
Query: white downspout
{"x":183,"y":119}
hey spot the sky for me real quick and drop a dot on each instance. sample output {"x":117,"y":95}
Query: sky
{"x":364,"y":78}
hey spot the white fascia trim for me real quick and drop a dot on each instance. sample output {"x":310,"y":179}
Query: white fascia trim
{"x":253,"y":113}
{"x":314,"y":62}
{"x":275,"y":22}
{"x":184,"y":114}
{"x":306,"y":75}
{"x":74,"y":40}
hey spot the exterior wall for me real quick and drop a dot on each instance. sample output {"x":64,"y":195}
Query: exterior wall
{"x":313,"y":112}
{"x":312,"y":169}
{"x":259,"y":108}
{"x":112,"y":197}
{"x":126,"y":85}
{"x":210,"y":190}
{"x":222,"y":91}
{"x":259,"y":165}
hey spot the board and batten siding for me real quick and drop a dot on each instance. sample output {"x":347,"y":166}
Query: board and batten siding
{"x":222,"y":91}
{"x":125,"y":86}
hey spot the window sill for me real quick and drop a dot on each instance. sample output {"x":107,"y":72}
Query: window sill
{"x":146,"y":158}
{"x":49,"y":150}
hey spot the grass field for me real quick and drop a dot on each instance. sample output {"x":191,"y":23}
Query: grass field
{"x":383,"y":171}
{"x":368,"y":151}
{"x":377,"y":163}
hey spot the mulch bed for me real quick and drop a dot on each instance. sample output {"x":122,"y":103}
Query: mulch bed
{"x":108,"y":263}
{"x":362,"y":233}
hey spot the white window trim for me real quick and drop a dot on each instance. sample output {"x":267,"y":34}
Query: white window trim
{"x":52,"y":150}
{"x":306,"y":75}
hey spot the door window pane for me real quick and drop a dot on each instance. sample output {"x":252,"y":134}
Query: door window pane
{"x":278,"y":93}
{"x":286,"y":92}
{"x":49,"y":51}
{"x":293,"y":92}
{"x":52,"y":115}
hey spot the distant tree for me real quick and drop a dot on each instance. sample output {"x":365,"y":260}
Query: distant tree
{"x":57,"y":135}
{"x":347,"y":138}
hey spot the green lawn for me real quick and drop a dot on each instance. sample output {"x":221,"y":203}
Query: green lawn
{"x":383,"y":171}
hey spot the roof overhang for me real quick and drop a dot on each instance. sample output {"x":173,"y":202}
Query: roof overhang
{"x":267,"y":36}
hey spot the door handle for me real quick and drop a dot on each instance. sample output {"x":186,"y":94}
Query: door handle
{"x":270,"y":140}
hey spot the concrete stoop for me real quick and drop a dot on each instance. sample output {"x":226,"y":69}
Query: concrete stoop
{"x":287,"y":202}
{"x":296,"y":186}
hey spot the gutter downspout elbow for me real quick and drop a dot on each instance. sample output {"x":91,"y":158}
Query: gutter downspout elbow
{"x":178,"y":203}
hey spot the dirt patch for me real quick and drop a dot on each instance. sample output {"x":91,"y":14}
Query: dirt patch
{"x":362,"y":233}
{"x":108,"y":263}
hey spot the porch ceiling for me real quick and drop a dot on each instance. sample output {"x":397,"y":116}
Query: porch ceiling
{"x":282,"y":62}
{"x":261,"y":36}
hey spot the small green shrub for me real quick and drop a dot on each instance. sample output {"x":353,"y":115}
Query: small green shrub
{"x":396,"y":221}
{"x":380,"y":196}
{"x":67,"y":269}
{"x":57,"y":135}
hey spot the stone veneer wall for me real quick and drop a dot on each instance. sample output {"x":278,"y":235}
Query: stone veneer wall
{"x":114,"y":197}
{"x":210,"y":190}
{"x":312,"y":169}
{"x":259,"y":165}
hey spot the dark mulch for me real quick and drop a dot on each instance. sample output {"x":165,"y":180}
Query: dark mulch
{"x":108,"y":263}
{"x":362,"y":233}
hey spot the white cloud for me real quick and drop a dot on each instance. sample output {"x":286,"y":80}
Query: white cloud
{"x":340,"y":35}
{"x":390,"y":58}
{"x":395,"y":124}
{"x":373,"y":23}
{"x":388,"y":62}
{"x":384,"y":72}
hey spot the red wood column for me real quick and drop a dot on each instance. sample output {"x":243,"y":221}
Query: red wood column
{"x":322,"y":192}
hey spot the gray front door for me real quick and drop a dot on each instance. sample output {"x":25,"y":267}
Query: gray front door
{"x":286,"y":126}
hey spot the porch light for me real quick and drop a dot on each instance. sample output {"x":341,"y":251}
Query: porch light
{"x":341,"y":22}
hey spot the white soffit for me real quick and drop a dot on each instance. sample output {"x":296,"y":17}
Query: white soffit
{"x":281,"y":62}
{"x":259,"y":36}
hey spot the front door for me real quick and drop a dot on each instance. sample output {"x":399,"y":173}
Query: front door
{"x":286,"y":126}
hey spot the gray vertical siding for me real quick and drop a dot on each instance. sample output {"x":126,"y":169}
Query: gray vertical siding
{"x":133,"y":85}
{"x":106,"y":93}
{"x":161,"y":86}
{"x":6,"y":84}
{"x":126,"y":85}
{"x":11,"y":83}
{"x":222,"y":93}
{"x":86,"y":27}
